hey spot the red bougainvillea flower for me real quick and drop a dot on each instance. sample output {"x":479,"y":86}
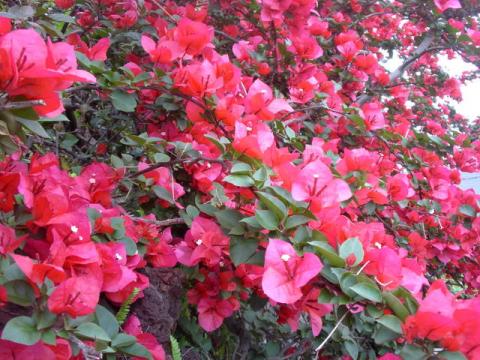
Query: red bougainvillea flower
{"x":133,"y":327}
{"x":13,"y":351}
{"x":64,"y":4}
{"x":212,"y":312}
{"x":163,"y":52}
{"x":434,"y":318}
{"x":399,"y":187}
{"x":204,"y":241}
{"x":286,"y":272}
{"x":348,"y":44}
{"x":8,"y":240}
{"x":309,"y":304}
{"x":37,"y":272}
{"x":5,"y":25}
{"x":97,"y":52}
{"x":443,"y":5}
{"x":389,"y":356}
{"x":76,"y":296}
{"x":159,"y":251}
{"x":192,"y":36}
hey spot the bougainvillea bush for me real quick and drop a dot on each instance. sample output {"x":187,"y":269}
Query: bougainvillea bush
{"x":237,"y":179}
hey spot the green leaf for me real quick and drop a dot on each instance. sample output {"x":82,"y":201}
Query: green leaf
{"x":62,"y":18}
{"x":267,"y":219}
{"x":123,"y":340}
{"x":449,"y":355}
{"x":239,"y":180}
{"x":396,"y":305}
{"x":22,"y":330}
{"x":136,"y":350}
{"x":163,"y":194}
{"x":367,"y":291}
{"x":176,"y":353}
{"x":392,"y":323}
{"x":34,"y":126}
{"x":383,"y":335}
{"x":412,"y":352}
{"x":92,"y":331}
{"x":274,"y":204}
{"x":467,"y":210}
{"x":327,"y":252}
{"x":241,"y":168}
{"x":49,"y":337}
{"x":20,"y":293}
{"x":107,"y":320}
{"x":295,"y":221}
{"x":352,"y":348}
{"x":123,"y":101}
{"x":241,"y":250}
{"x":347,"y":281}
{"x":228,"y":218}
{"x":161,"y":158}
{"x":45,"y":319}
{"x":352,"y":246}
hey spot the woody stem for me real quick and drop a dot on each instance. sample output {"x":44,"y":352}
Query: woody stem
{"x":330,"y":334}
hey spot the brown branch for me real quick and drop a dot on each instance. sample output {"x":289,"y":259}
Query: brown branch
{"x":21,"y":104}
{"x":422,"y":49}
{"x":189,"y":161}
{"x":89,"y":353}
{"x":168,"y":222}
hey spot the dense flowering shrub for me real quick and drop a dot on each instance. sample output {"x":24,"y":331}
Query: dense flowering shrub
{"x":309,"y":196}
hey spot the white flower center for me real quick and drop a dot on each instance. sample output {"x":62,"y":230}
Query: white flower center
{"x":285,"y":257}
{"x":378,"y":245}
{"x":92,"y":181}
{"x":199,"y":242}
{"x":74,"y":229}
{"x":118,"y":256}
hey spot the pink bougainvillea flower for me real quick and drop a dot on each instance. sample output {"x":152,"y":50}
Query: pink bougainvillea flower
{"x":316,"y":183}
{"x":163,"y":52}
{"x":443,"y":5}
{"x":399,"y":187}
{"x":286,"y":272}
{"x":261,"y":102}
{"x":253,"y":140}
{"x":385,"y":265}
{"x":372,"y":114}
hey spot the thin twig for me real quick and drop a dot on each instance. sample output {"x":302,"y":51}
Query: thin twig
{"x":330,"y":334}
{"x":89,"y":353}
{"x":168,"y":222}
{"x":21,"y":104}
